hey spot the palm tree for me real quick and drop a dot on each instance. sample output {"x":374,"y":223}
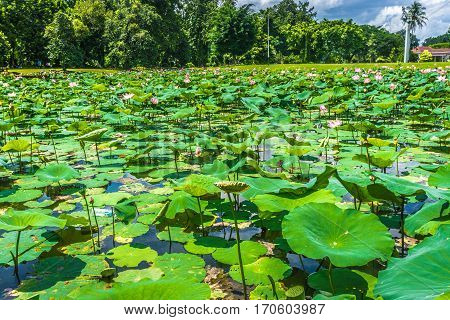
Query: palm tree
{"x":413,"y":16}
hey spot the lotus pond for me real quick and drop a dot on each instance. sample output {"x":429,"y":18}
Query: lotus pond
{"x":225,"y":184}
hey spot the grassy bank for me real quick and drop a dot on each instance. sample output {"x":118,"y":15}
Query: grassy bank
{"x":274,"y":67}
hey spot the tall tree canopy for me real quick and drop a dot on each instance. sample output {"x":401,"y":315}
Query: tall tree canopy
{"x":132,"y":33}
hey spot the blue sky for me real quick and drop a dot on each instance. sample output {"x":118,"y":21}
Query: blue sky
{"x":385,"y":13}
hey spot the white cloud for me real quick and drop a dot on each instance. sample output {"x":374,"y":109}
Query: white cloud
{"x":389,"y":18}
{"x":438,"y":13}
{"x":385,"y":13}
{"x":325,"y":4}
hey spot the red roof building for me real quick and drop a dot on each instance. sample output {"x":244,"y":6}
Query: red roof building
{"x":442,"y":54}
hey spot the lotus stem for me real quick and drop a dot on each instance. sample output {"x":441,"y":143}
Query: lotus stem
{"x":90,"y":223}
{"x":238,"y":242}
{"x":96,"y":223}
{"x":96,"y":151}
{"x":201,"y":215}
{"x":402,"y":225}
{"x":170,"y":239}
{"x":16,"y":257}
{"x":274,"y":290}
{"x":330,"y":278}
{"x":54,"y":148}
{"x":114,"y":228}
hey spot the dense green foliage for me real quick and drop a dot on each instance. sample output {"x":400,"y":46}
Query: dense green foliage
{"x":201,"y":183}
{"x":146,"y":33}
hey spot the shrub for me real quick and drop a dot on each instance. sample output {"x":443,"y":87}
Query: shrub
{"x":426,"y":56}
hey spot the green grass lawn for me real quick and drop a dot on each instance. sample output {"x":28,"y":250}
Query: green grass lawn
{"x":274,"y":67}
{"x":322,"y":67}
{"x":26,"y":71}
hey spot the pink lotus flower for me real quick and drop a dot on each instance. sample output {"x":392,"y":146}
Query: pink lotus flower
{"x":73,"y":84}
{"x":334,"y":124}
{"x":357,"y":70}
{"x":356,"y":77}
{"x":367,"y":80}
{"x":12,"y":95}
{"x":441,"y":79}
{"x":378,"y":77}
{"x":198,"y":152}
{"x":323,"y":109}
{"x":237,"y":80}
{"x":187,"y":79}
{"x":127,"y":96}
{"x":154,"y":100}
{"x":252,"y":82}
{"x":392,"y":86}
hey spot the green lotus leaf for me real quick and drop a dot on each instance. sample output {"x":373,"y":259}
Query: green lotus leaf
{"x":93,"y":136}
{"x":299,"y":151}
{"x":251,"y":251}
{"x":56,"y":173}
{"x":338,"y":297}
{"x":64,"y":268}
{"x":37,"y":204}
{"x":200,"y":185}
{"x":138,"y":275}
{"x":424,"y":274}
{"x":32,"y":244}
{"x":205,"y":245}
{"x":346,"y":237}
{"x":440,"y":178}
{"x":22,"y":220}
{"x":427,"y":213}
{"x":176,"y":234}
{"x":19,"y":195}
{"x":344,"y":281}
{"x":400,"y":186}
{"x":126,"y":231}
{"x":356,"y":188}
{"x":18,"y":145}
{"x":257,"y":272}
{"x":278,"y":203}
{"x":109,"y":199}
{"x":163,"y":289}
{"x":265,"y":292}
{"x":217,"y":169}
{"x":182,"y":201}
{"x":131,"y":255}
{"x":181,"y":266}
{"x":264,"y":185}
{"x":378,"y":142}
{"x":431,"y":227}
{"x":37,"y":288}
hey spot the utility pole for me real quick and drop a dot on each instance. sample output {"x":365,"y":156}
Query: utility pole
{"x":268,"y":38}
{"x":407,"y":41}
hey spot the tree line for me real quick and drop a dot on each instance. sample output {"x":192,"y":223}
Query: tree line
{"x":170,"y":33}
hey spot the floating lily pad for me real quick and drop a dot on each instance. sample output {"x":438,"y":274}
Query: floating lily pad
{"x":163,"y":289}
{"x":347,"y":237}
{"x":181,"y":266}
{"x":265,"y":292}
{"x":250,"y":250}
{"x":32,"y":244}
{"x":176,"y":234}
{"x":131,"y":255}
{"x":138,"y":275}
{"x":205,"y":245}
{"x":257,"y":272}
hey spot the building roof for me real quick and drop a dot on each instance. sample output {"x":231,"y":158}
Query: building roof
{"x":434,"y":52}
